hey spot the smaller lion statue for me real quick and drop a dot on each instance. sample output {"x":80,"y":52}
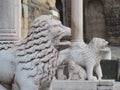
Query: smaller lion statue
{"x":73,"y":68}
{"x":88,"y":57}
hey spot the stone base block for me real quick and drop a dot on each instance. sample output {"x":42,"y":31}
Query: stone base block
{"x":82,"y":85}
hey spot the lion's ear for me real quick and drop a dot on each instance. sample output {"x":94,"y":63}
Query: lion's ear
{"x":94,"y":39}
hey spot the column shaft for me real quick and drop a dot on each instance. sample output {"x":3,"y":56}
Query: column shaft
{"x":77,"y":20}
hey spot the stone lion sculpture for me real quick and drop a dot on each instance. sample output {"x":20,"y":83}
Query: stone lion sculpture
{"x":31,"y":63}
{"x":88,"y":57}
{"x":73,"y":68}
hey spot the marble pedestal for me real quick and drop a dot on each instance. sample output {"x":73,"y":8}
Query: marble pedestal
{"x":82,"y":85}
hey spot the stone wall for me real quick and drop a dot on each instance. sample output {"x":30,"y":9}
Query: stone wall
{"x":113,"y":25}
{"x":34,"y":8}
{"x":40,"y":7}
{"x":64,"y":7}
{"x":94,"y":19}
{"x":102,"y":19}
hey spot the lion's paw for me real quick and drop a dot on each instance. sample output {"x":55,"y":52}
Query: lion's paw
{"x":93,"y":78}
{"x":99,"y":79}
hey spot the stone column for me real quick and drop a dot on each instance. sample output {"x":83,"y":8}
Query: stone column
{"x":77,"y":21}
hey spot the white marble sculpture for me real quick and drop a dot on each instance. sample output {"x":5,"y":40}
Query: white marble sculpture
{"x":74,"y":68}
{"x":31,"y":63}
{"x":88,"y":56}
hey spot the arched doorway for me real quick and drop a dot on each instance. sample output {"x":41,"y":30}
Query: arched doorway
{"x":95,"y":21}
{"x":64,"y":7}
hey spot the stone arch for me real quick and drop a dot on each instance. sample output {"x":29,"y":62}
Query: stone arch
{"x":64,"y":7}
{"x":59,"y":6}
{"x":94,"y":20}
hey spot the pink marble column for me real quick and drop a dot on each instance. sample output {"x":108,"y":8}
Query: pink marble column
{"x":77,"y":20}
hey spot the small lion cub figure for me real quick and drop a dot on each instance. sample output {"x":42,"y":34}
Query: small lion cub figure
{"x":73,"y":68}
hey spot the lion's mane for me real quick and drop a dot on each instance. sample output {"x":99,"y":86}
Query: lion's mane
{"x":36,"y":54}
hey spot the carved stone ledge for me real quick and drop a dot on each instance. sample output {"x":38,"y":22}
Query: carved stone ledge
{"x":82,"y":85}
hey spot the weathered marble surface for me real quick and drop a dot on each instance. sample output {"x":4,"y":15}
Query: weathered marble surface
{"x":88,"y":57}
{"x":30,"y":64}
{"x":82,"y":85}
{"x":117,"y":86}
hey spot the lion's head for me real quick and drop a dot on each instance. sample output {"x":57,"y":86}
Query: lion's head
{"x":72,"y":64}
{"x":58,"y":33}
{"x":100,"y":46}
{"x":98,"y":43}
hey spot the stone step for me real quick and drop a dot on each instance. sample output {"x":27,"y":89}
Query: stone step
{"x":82,"y":85}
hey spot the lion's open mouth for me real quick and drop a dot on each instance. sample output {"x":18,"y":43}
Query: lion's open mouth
{"x":65,"y":38}
{"x":105,"y":45}
{"x":64,"y":42}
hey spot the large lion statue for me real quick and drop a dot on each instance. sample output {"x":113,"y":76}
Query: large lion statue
{"x":88,"y":57}
{"x":31,"y":63}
